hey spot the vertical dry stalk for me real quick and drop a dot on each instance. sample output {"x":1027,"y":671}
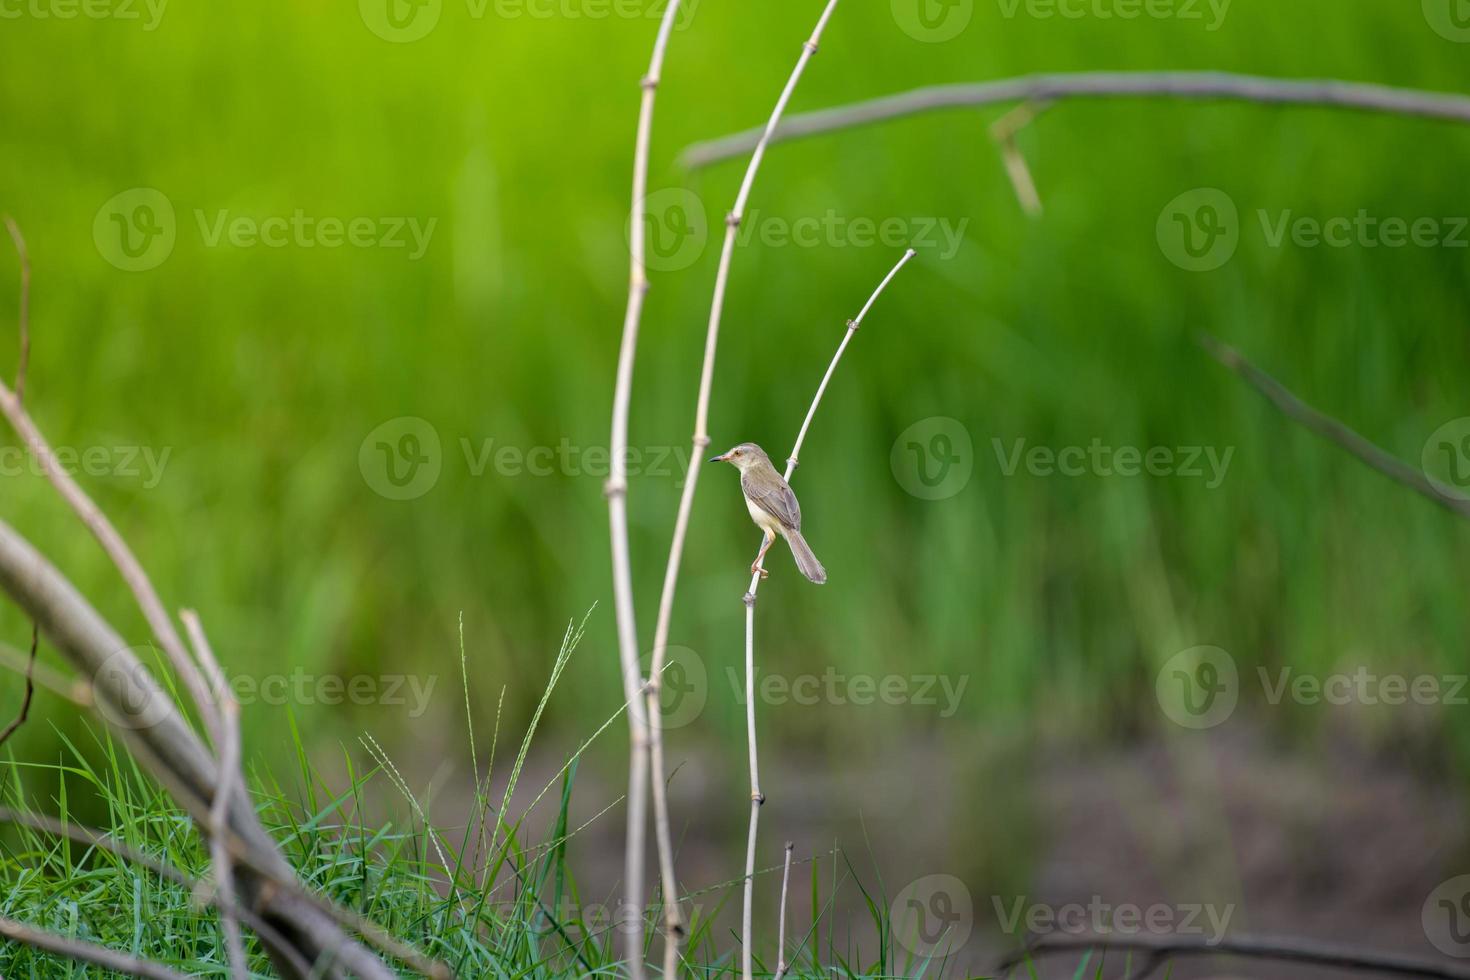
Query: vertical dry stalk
{"x":219,"y":808}
{"x":757,"y":798}
{"x":781,"y":965}
{"x":673,"y":917}
{"x":616,"y":491}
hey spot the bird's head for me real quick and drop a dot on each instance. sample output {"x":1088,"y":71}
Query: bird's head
{"x":744,"y":456}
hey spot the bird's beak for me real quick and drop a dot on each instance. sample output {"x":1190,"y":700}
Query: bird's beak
{"x":720,"y":459}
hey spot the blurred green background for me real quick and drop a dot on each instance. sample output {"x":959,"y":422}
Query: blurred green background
{"x":263,"y":370}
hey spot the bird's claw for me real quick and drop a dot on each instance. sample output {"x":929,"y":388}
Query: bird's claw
{"x":756,"y":569}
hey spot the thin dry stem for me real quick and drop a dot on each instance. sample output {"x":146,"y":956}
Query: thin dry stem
{"x":25,"y":703}
{"x":617,"y":489}
{"x":781,"y":965}
{"x":757,"y":798}
{"x":1330,"y":428}
{"x":701,"y":442}
{"x":228,"y":710}
{"x":82,"y":952}
{"x":1092,"y":85}
{"x":118,"y":551}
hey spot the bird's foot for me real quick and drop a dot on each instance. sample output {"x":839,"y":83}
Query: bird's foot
{"x":756,"y":569}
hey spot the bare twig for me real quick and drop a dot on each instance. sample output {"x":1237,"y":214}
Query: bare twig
{"x":1330,"y":428}
{"x":1286,"y":948}
{"x":701,"y":432}
{"x":781,"y":966}
{"x":1093,"y":85}
{"x":228,"y":710}
{"x":82,"y":952}
{"x":757,"y":798}
{"x":616,"y":491}
{"x":165,"y":744}
{"x":1004,"y":131}
{"x":25,"y":306}
{"x":117,"y":549}
{"x":72,"y":689}
{"x":25,"y":702}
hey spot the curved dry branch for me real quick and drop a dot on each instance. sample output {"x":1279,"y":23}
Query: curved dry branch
{"x":617,"y":509}
{"x":701,"y":431}
{"x":1286,"y":948}
{"x":757,"y":798}
{"x":83,"y":952}
{"x":1330,"y":428}
{"x":1094,"y":85}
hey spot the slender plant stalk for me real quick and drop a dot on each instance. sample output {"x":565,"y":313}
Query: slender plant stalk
{"x":617,"y":492}
{"x":781,"y":965}
{"x":219,"y":808}
{"x":757,"y":798}
{"x":686,"y":500}
{"x":1092,"y":85}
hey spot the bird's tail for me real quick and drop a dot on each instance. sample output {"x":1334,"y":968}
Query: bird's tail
{"x":805,"y":560}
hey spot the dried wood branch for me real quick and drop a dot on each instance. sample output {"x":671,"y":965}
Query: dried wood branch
{"x":1286,"y":948}
{"x":1093,"y":85}
{"x":757,"y":798}
{"x":228,"y":710}
{"x":118,"y":551}
{"x":1330,"y":428}
{"x":30,"y":692}
{"x":82,"y":952}
{"x":781,"y":965}
{"x":701,"y":442}
{"x":616,"y":492}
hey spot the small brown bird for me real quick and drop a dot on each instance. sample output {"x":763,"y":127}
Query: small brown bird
{"x":773,"y":507}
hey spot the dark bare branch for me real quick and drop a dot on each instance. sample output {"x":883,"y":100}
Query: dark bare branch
{"x":25,"y":703}
{"x":1292,"y":949}
{"x":1330,"y":428}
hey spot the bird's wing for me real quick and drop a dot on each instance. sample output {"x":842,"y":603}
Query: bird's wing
{"x":773,"y":495}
